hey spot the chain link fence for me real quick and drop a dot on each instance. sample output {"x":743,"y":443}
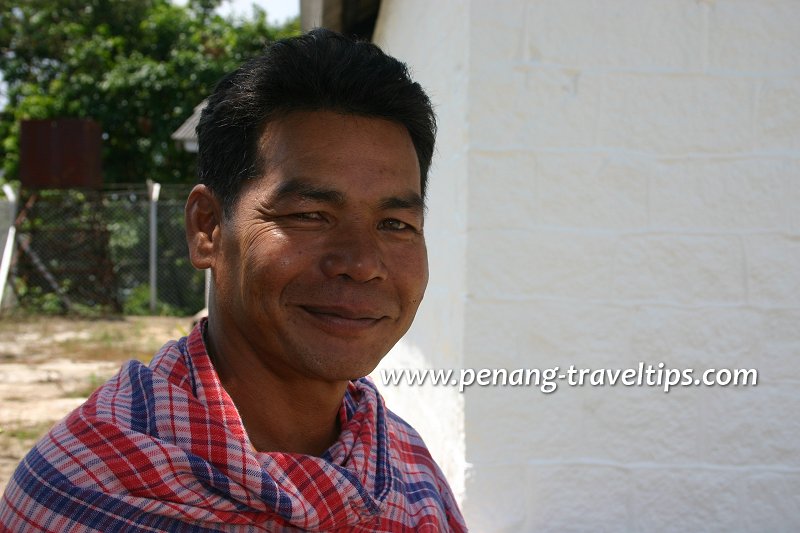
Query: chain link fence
{"x":90,"y":253}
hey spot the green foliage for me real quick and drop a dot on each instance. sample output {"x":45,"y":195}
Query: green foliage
{"x":37,"y":299}
{"x":84,"y":390}
{"x":137,"y":66}
{"x":138,"y":304}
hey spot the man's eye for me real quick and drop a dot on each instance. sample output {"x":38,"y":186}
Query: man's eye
{"x":308,"y":216}
{"x":393,"y":224}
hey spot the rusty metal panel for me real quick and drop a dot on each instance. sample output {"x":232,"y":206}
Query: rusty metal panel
{"x":60,"y":154}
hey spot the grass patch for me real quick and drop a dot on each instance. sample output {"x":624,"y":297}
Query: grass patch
{"x":27,"y":433}
{"x":117,"y":340}
{"x":84,"y":391}
{"x":83,"y":351}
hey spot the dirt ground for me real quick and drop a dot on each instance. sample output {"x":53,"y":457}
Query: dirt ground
{"x":49,"y":366}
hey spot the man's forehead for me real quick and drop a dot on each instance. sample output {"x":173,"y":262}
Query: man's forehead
{"x":327,"y":138}
{"x":333,"y":157}
{"x":330,"y":191}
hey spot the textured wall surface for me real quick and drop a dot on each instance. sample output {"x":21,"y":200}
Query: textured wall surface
{"x":436,"y":340}
{"x":620,"y":183}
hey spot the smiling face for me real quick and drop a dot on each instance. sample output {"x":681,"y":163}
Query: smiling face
{"x":321,"y":264}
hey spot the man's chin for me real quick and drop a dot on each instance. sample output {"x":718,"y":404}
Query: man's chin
{"x":344,"y":367}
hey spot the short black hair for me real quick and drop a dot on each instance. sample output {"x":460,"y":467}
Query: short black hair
{"x":320,"y":70}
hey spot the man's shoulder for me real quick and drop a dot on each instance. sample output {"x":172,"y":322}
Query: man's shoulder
{"x":419,"y":477}
{"x":408,"y":448}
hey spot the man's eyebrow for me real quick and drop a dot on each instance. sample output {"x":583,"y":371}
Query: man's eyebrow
{"x":412,"y":201}
{"x":305,"y":190}
{"x":295,"y":188}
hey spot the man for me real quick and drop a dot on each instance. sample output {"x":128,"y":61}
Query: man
{"x":313,"y":162}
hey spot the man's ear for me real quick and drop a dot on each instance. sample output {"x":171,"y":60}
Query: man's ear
{"x":203,"y":217}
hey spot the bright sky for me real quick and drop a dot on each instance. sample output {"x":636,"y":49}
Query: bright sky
{"x":277,"y":10}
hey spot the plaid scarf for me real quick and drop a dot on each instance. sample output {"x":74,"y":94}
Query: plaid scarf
{"x":162,"y":448}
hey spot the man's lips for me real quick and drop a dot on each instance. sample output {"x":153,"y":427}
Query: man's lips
{"x":340,"y":311}
{"x":341,"y":319}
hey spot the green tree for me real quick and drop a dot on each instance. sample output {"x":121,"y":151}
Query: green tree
{"x":138,"y":67}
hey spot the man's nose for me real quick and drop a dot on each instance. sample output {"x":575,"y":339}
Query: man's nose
{"x":355,"y":254}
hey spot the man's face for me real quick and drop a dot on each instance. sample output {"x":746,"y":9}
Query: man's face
{"x":322,"y":262}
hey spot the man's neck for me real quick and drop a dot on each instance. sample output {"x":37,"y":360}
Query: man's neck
{"x":296,"y":416}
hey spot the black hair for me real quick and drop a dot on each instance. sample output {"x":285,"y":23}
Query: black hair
{"x":320,"y":70}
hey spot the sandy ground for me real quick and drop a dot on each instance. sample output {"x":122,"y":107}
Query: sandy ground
{"x":49,"y":366}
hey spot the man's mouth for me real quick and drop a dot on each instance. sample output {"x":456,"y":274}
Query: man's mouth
{"x":342,"y":320}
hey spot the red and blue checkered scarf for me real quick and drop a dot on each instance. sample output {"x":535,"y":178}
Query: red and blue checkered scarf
{"x":162,"y":448}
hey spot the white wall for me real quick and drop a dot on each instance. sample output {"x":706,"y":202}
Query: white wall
{"x":439,"y":62}
{"x":621,"y":180}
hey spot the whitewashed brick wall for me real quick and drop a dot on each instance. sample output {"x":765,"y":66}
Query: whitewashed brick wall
{"x":616,"y":181}
{"x":436,"y":340}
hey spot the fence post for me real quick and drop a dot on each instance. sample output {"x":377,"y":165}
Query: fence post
{"x":8,"y":251}
{"x":154,"y":189}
